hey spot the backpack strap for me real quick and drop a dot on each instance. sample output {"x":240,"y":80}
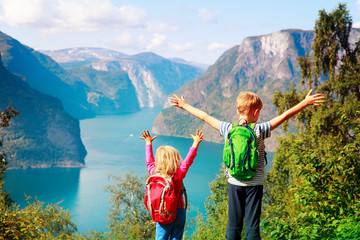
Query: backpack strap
{"x":252,"y":125}
{"x":248,"y":146}
{"x":232,"y":157}
{"x":183,"y":192}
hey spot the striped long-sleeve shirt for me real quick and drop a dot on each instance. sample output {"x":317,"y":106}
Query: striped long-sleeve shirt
{"x":262,"y":131}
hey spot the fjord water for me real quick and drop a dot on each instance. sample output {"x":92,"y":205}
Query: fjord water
{"x":113,"y":147}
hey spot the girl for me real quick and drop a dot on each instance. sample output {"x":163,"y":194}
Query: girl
{"x":169,"y":163}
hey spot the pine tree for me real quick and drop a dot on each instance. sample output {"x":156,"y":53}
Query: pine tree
{"x":213,"y":225}
{"x":313,"y":190}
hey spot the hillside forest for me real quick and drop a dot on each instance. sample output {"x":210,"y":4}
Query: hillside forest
{"x":311,"y":192}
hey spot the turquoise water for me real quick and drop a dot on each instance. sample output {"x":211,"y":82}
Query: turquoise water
{"x":113,"y":147}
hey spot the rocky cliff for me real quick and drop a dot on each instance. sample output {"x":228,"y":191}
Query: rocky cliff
{"x":260,"y":64}
{"x":152,"y":76}
{"x":107,"y":92}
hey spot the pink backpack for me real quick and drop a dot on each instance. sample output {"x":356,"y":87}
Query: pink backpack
{"x":161,"y":200}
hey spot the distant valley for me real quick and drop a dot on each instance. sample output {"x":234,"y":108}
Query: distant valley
{"x":115,"y":79}
{"x":52,"y":98}
{"x":54,"y":89}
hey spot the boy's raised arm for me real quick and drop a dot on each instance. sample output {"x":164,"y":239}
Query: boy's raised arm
{"x":315,"y":100}
{"x":181,"y":103}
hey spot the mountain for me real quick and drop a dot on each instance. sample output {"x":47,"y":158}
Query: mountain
{"x":75,"y":57}
{"x":109,"y":92}
{"x":260,"y":64}
{"x":44,"y":134}
{"x":102,"y":92}
{"x":45,"y":75}
{"x":152,"y":76}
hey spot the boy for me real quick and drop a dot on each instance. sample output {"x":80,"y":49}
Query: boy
{"x":245,"y":196}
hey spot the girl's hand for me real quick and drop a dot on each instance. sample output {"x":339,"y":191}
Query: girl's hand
{"x":198,"y":138}
{"x":178,"y":102}
{"x":315,"y":100}
{"x":147,"y":137}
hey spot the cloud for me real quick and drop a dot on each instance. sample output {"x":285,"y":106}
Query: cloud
{"x":156,"y":41}
{"x":217,"y":47}
{"x":25,"y":13}
{"x":125,"y":40}
{"x":357,"y":24}
{"x":181,"y":47}
{"x":70,"y":15}
{"x":160,"y":27}
{"x":206,"y":15}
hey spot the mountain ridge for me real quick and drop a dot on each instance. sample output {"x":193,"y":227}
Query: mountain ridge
{"x":152,"y":76}
{"x":34,"y":67}
{"x":261,"y":64}
{"x":43,"y":135}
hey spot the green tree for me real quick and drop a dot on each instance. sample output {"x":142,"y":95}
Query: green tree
{"x":213,"y":225}
{"x":5,"y":117}
{"x":55,"y":220}
{"x":36,"y":221}
{"x":129,"y":218}
{"x":91,"y":235}
{"x":313,"y":189}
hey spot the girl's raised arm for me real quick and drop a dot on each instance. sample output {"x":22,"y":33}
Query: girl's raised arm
{"x":147,"y":137}
{"x":198,"y":138}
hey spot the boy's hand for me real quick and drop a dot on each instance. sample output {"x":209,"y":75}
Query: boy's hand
{"x":178,"y":102}
{"x":147,"y":137}
{"x":315,"y":100}
{"x":198,"y":138}
{"x":181,"y":103}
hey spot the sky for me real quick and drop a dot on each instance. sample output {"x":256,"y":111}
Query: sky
{"x":197,"y":31}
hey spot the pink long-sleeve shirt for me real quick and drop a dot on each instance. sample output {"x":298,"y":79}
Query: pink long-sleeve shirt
{"x":180,"y":173}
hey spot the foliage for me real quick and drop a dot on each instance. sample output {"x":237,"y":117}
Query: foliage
{"x":5,"y":117}
{"x":91,"y":235}
{"x":214,"y":224}
{"x":18,"y":224}
{"x":313,"y":189}
{"x":56,"y":220}
{"x":36,"y":221}
{"x":129,"y":218}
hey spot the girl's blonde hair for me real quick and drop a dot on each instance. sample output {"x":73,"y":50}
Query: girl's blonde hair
{"x":247,"y":102}
{"x":167,"y":160}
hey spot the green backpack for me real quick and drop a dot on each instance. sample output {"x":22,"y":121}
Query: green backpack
{"x":240,"y":153}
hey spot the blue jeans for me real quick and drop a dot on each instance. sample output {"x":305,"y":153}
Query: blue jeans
{"x":244,"y":202}
{"x":174,"y":230}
